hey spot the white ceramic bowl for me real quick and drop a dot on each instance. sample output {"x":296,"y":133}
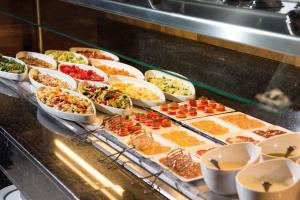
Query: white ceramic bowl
{"x":105,"y":53}
{"x":86,"y":61}
{"x":67,"y":115}
{"x":249,"y":180}
{"x":40,"y":56}
{"x":140,"y":83}
{"x":104,"y":108}
{"x":14,"y":76}
{"x":173,"y":97}
{"x":223,"y":181}
{"x":117,"y":65}
{"x":85,"y":67}
{"x":57,"y":74}
{"x":279,"y":144}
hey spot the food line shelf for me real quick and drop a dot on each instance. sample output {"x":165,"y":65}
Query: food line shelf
{"x":145,"y":169}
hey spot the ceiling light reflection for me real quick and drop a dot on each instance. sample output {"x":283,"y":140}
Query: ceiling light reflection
{"x":93,"y":172}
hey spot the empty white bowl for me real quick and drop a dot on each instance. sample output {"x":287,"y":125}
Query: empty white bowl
{"x":279,"y":144}
{"x":231,"y":159}
{"x":283,"y":174}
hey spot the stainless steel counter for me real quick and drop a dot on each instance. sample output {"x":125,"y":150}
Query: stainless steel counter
{"x":263,"y":29}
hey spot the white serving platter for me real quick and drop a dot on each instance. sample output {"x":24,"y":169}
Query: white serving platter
{"x":66,"y":115}
{"x":85,"y":67}
{"x":194,"y":158}
{"x":98,"y":51}
{"x":232,"y":130}
{"x":200,"y":113}
{"x":248,"y":116}
{"x":86,"y":61}
{"x":203,"y":147}
{"x":104,"y":108}
{"x":43,"y":57}
{"x":189,"y":132}
{"x":120,"y":66}
{"x":14,"y":76}
{"x":57,"y":74}
{"x":173,"y":97}
{"x":140,"y":83}
{"x":156,"y":138}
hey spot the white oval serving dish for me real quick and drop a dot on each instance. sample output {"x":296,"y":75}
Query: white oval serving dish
{"x":85,"y":67}
{"x":173,"y":97}
{"x":222,"y":181}
{"x":57,"y":74}
{"x":104,"y":108}
{"x":85,"y":60}
{"x":140,"y":83}
{"x":118,"y":65}
{"x":40,"y":56}
{"x":14,"y":76}
{"x":105,"y":53}
{"x":279,"y":144}
{"x":249,"y":180}
{"x":67,"y":115}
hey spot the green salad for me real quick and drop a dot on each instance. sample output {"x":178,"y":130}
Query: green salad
{"x":67,"y":56}
{"x":170,"y":86}
{"x":10,"y":65}
{"x":105,"y":95}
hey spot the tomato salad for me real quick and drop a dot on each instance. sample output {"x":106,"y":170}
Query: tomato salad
{"x":81,"y":74}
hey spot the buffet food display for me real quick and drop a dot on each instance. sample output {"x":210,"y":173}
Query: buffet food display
{"x":11,"y":65}
{"x":67,"y":56}
{"x":192,"y":109}
{"x":179,"y":136}
{"x":92,"y":54}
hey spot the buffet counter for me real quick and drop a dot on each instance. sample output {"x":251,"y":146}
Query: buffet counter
{"x":44,"y":161}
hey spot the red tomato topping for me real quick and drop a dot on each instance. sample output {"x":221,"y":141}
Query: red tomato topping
{"x":208,"y":110}
{"x":172,"y":112}
{"x":220,"y":108}
{"x":164,"y":107}
{"x":200,"y":106}
{"x":181,"y":114}
{"x":166,"y":123}
{"x":135,"y":127}
{"x":192,"y":103}
{"x":123,"y":132}
{"x":173,"y":105}
{"x":81,"y":74}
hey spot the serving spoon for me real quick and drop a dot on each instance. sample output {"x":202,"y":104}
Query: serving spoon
{"x":215,"y":163}
{"x":289,"y":150}
{"x":266,"y":185}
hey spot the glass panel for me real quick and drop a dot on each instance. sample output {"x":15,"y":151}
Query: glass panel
{"x":212,"y":69}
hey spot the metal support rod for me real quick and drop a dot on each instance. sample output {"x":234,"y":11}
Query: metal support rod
{"x":39,"y":28}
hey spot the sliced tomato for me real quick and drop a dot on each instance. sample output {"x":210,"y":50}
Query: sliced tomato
{"x":208,"y":110}
{"x":183,"y":107}
{"x":149,"y":122}
{"x":192,"y":103}
{"x":173,"y":105}
{"x":192,"y":111}
{"x":135,"y":127}
{"x":172,"y":112}
{"x":220,"y":108}
{"x":200,"y":106}
{"x":137,"y":116}
{"x":203,"y":100}
{"x":181,"y":114}
{"x":164,"y":107}
{"x":123,"y":132}
{"x":166,"y":123}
